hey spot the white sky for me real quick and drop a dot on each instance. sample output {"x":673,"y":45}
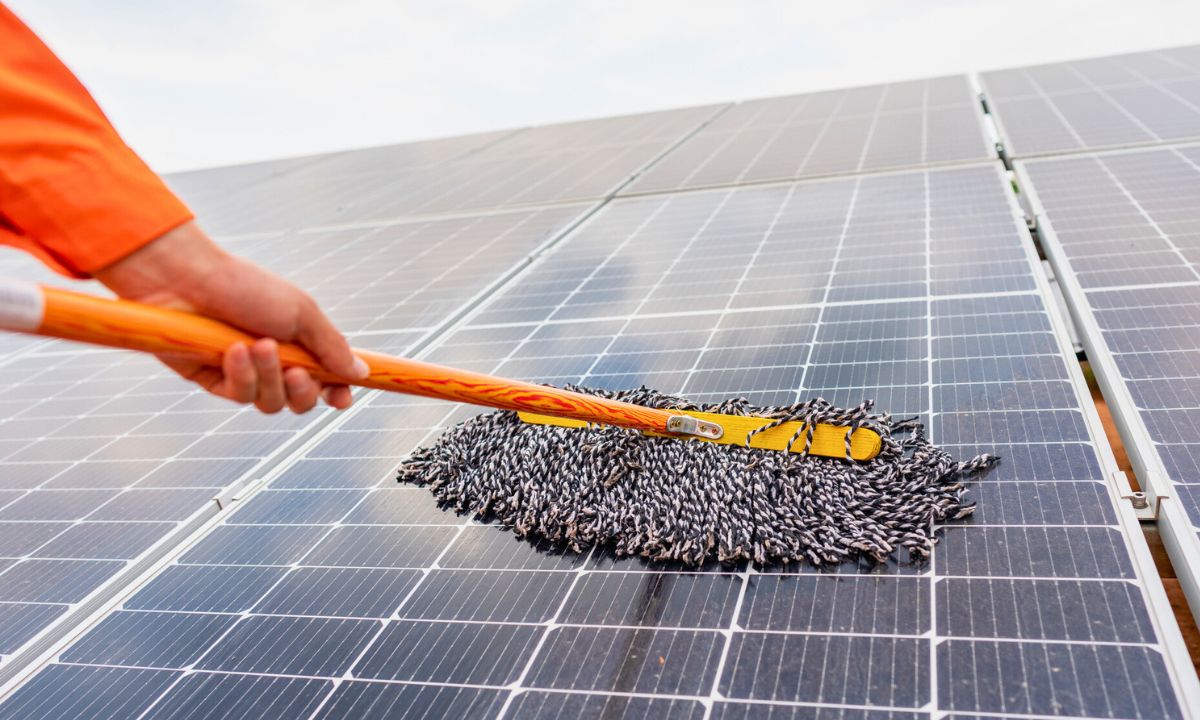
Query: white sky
{"x":214,"y":82}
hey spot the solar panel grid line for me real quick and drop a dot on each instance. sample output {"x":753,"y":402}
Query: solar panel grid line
{"x":29,"y":349}
{"x":39,"y":646}
{"x":528,"y":668}
{"x":674,"y":310}
{"x":190,"y":523}
{"x":754,"y":310}
{"x":497,"y":212}
{"x":929,"y":350}
{"x":1002,"y":134}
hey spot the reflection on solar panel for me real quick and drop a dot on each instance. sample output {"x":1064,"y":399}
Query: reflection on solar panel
{"x":907,"y":124}
{"x":336,"y":593}
{"x":570,"y":162}
{"x":406,"y":276}
{"x":268,"y":194}
{"x":1148,"y":97}
{"x":1123,"y":227}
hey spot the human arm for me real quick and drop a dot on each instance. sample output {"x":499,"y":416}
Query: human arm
{"x":75,"y":195}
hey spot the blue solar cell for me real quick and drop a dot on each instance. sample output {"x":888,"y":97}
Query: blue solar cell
{"x":164,"y":640}
{"x":390,"y":701}
{"x":291,"y":646}
{"x":209,"y":696}
{"x":456,"y":653}
{"x":86,"y":693}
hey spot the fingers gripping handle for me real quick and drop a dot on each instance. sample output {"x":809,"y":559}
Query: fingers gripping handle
{"x":22,"y":306}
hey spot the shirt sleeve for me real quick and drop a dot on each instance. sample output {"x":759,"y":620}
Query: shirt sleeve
{"x":71,"y":191}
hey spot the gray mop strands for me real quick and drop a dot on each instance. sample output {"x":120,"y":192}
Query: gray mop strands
{"x":691,"y":501}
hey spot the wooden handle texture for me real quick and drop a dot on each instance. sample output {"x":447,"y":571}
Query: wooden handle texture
{"x":136,"y":326}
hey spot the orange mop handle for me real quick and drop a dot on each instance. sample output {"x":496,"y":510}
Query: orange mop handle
{"x":54,"y":312}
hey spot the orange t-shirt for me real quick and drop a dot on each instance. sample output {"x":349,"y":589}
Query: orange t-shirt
{"x":71,"y":191}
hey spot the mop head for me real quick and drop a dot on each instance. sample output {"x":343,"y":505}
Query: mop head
{"x":690,"y":501}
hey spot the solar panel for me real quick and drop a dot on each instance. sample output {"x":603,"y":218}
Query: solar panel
{"x":568,"y":162}
{"x":107,"y":459}
{"x":334,"y":592}
{"x":906,"y":124}
{"x":1122,"y":229}
{"x":1147,"y":97}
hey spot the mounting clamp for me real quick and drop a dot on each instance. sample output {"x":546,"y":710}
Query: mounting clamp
{"x":1145,"y":505}
{"x":236,"y":493}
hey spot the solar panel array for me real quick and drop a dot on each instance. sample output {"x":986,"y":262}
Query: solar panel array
{"x":907,"y":124}
{"x":1124,"y":225}
{"x":336,"y":593}
{"x":1148,"y":97}
{"x":331,"y":591}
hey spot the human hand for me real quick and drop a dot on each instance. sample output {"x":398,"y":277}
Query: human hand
{"x":184,"y":269}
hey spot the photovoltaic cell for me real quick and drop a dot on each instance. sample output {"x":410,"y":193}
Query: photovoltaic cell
{"x":1147,"y":97}
{"x":542,"y":705}
{"x":908,"y":124}
{"x":166,"y":640}
{"x":1005,"y":618}
{"x":388,"y":701}
{"x":218,"y":696}
{"x":75,"y":691}
{"x":1122,"y":227}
